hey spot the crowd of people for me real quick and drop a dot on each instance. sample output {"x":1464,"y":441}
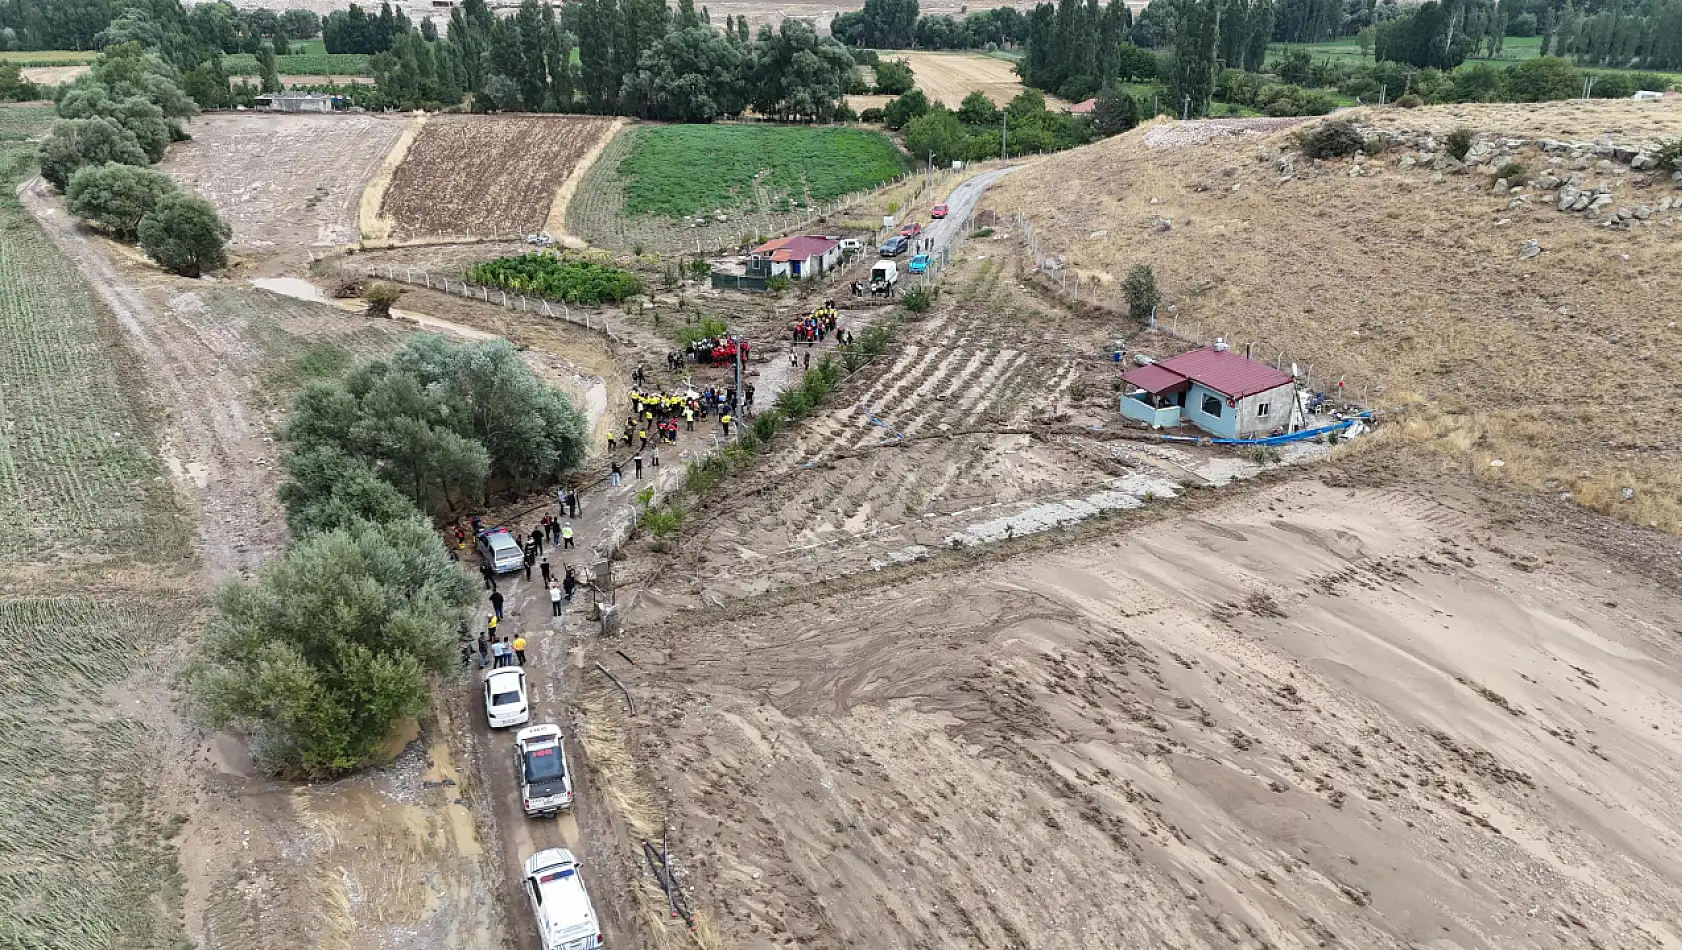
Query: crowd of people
{"x":552,"y":532}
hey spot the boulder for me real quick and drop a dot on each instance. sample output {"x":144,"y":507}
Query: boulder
{"x":1501,"y":186}
{"x":1624,"y":153}
{"x":1407,"y":161}
{"x":1159,"y":223}
{"x":1426,"y":156}
{"x":1643,"y":162}
{"x":1599,"y":202}
{"x":1603,"y":166}
{"x":1529,"y":249}
{"x":1676,"y":179}
{"x":1643,"y":212}
{"x":1664,"y":204}
{"x":1582,"y":202}
{"x":1580,"y":164}
{"x":1547,"y":183}
{"x":1567,"y":197}
{"x":1523,"y":201}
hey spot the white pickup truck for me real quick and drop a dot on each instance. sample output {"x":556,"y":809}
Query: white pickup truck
{"x":545,"y":783}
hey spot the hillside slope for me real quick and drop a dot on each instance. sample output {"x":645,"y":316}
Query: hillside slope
{"x":1408,"y":276}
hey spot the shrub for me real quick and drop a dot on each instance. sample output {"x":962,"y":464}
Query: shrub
{"x":380,"y":297}
{"x":1409,"y":101}
{"x":1377,"y":145}
{"x":981,"y":233}
{"x":872,"y":115}
{"x":1458,"y":143}
{"x":558,"y":277}
{"x":1669,"y":155}
{"x":893,"y":77}
{"x":74,"y":143}
{"x":1264,"y":455}
{"x":332,"y":645}
{"x":1141,"y":291}
{"x":921,"y":300}
{"x":1516,"y":173}
{"x":690,"y":332}
{"x":779,"y":283}
{"x":1332,"y":140}
{"x":185,"y":236}
{"x":663,"y":520}
{"x":116,"y":197}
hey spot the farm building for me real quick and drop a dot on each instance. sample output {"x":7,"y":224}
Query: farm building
{"x":798,"y":257}
{"x":1225,"y":394}
{"x":296,"y":102}
{"x":1084,"y":107}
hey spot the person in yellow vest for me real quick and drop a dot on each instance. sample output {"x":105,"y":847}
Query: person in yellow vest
{"x":724,"y":423}
{"x":689,"y":418}
{"x":566,"y":535}
{"x":520,"y":650}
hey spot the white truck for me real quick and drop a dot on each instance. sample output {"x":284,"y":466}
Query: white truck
{"x":565,"y":918}
{"x":545,"y":783}
{"x":883,"y":276}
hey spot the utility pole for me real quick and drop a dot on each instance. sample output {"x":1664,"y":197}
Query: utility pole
{"x":1588,"y":85}
{"x":1185,"y":108}
{"x":1004,"y":138}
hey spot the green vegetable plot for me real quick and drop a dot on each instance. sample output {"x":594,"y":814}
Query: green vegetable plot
{"x":558,"y":278}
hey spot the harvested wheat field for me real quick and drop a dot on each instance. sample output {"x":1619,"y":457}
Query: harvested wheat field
{"x":284,"y":182}
{"x":950,"y":77}
{"x":1293,"y":716}
{"x":1550,"y":365}
{"x":490,"y":175}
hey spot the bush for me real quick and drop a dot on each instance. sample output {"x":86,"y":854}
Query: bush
{"x":557,"y":277}
{"x":380,"y":297}
{"x":74,"y":143}
{"x":872,"y":115}
{"x":1141,"y":291}
{"x":116,"y":197}
{"x":1516,"y":173}
{"x":690,"y":332}
{"x":1458,"y":143}
{"x":921,"y":300}
{"x":185,"y":236}
{"x":779,"y":283}
{"x":1409,"y":101}
{"x":1377,"y":145}
{"x":1669,"y":155}
{"x":1333,"y":139}
{"x":893,"y":78}
{"x":981,"y":233}
{"x":332,"y":645}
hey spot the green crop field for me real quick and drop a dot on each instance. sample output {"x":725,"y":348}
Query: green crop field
{"x":306,"y":64}
{"x":77,"y":466}
{"x":49,"y":57}
{"x":89,"y":864}
{"x":678,"y":170}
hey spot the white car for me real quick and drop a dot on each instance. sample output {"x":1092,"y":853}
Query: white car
{"x":505,"y":697}
{"x":565,"y":919}
{"x":545,"y":782}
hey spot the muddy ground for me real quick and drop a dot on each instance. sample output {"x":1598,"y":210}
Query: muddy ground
{"x":1305,"y":716}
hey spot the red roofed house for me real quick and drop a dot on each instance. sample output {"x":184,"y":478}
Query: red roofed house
{"x":1084,"y":107}
{"x":1225,"y":394}
{"x":798,"y":257}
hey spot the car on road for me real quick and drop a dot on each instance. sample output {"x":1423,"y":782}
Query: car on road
{"x":938,"y":212}
{"x":506,"y":700}
{"x":894,"y":246}
{"x":565,"y":919}
{"x":911,"y":230}
{"x":545,"y":783}
{"x":498,"y":548}
{"x":919,"y":264}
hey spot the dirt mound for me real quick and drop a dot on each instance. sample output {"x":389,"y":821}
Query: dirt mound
{"x":1410,"y":278}
{"x":488,"y":175}
{"x":1170,"y":134}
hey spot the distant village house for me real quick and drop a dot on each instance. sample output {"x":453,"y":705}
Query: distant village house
{"x":297,"y":102}
{"x":800,"y":257}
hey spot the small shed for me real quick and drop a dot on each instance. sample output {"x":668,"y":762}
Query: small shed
{"x":1084,"y":107}
{"x":296,"y":102}
{"x":1221,"y":392}
{"x":806,"y":255}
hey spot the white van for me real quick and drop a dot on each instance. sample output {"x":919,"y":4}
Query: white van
{"x":565,"y":919}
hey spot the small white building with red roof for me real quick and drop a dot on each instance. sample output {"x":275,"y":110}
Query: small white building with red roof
{"x":799,"y":257}
{"x":1221,"y":392}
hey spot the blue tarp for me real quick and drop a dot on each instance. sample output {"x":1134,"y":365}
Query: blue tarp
{"x":1288,"y":437}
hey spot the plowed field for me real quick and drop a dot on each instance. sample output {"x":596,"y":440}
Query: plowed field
{"x":488,"y":175}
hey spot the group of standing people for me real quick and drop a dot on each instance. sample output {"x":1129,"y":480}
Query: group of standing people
{"x":553,"y":531}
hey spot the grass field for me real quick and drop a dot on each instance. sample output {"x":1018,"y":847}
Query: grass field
{"x":89,"y":863}
{"x":77,"y":470}
{"x":679,"y":170}
{"x":1516,"y":49}
{"x":305,"y":64}
{"x":49,"y":57}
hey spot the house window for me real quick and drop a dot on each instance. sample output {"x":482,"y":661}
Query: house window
{"x":1211,"y":405}
{"x":1264,"y":409}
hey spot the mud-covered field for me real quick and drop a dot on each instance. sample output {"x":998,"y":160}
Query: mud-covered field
{"x":1308,"y":716}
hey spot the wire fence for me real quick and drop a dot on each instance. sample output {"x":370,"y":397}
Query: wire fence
{"x":1071,"y":288}
{"x":542,"y":306}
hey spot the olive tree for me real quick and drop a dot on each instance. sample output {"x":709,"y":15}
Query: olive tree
{"x":116,"y":197}
{"x":73,"y":143}
{"x":184,"y":235}
{"x":332,"y":645}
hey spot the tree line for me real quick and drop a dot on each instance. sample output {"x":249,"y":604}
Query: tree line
{"x":86,"y":25}
{"x":896,"y":24}
{"x":635,"y":57}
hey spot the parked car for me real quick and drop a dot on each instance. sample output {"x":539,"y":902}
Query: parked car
{"x":894,"y":246}
{"x":851,"y":245}
{"x":911,"y":230}
{"x":498,"y":548}
{"x":505,"y":697}
{"x":938,"y":212}
{"x":919,"y":264}
{"x":545,"y":783}
{"x":565,"y":919}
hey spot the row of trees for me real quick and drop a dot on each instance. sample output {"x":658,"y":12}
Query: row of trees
{"x":341,"y":638}
{"x":895,"y":24}
{"x":87,"y":24}
{"x":114,"y":121}
{"x":636,"y":57}
{"x":979,"y":130}
{"x":353,"y":30}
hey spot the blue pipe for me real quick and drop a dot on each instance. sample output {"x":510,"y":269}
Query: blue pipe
{"x":1272,"y":439}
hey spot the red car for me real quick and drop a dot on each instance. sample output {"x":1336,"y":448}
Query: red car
{"x":911,"y":230}
{"x":938,"y":212}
